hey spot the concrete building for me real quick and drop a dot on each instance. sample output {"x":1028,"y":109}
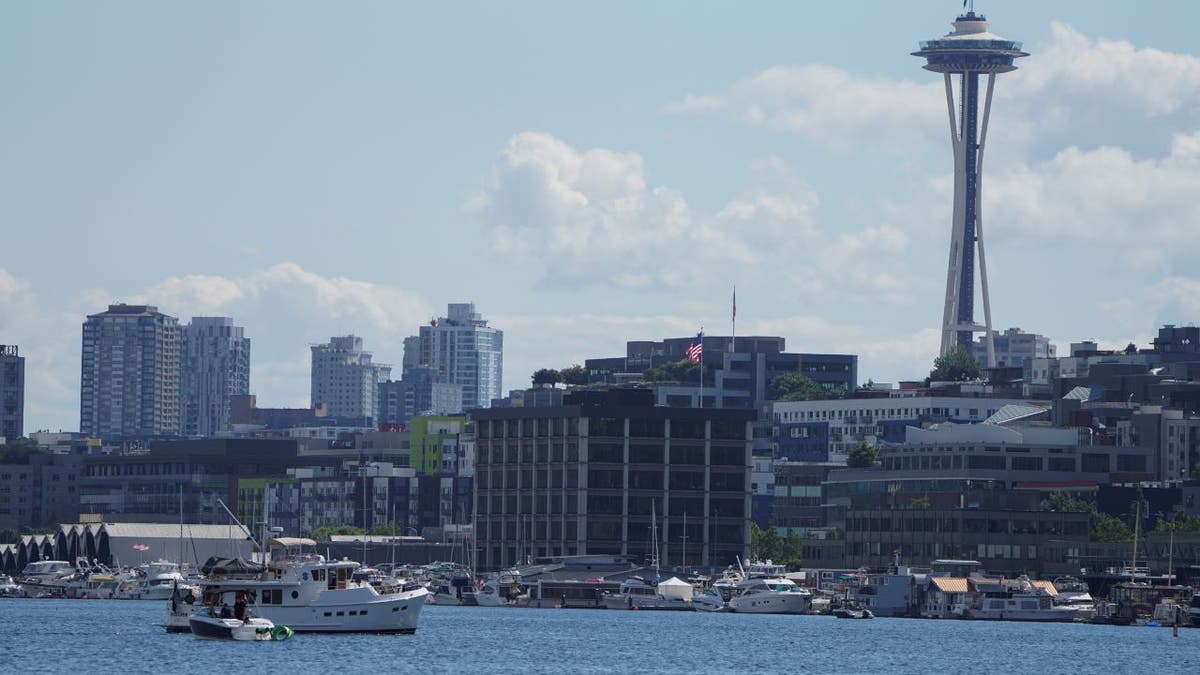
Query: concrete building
{"x":345,"y":379}
{"x":1013,"y":347}
{"x":587,"y":477}
{"x":214,"y":365}
{"x":463,"y":350}
{"x":129,"y":384}
{"x":824,"y":431}
{"x":12,"y":393}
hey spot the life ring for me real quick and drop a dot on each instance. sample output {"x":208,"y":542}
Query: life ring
{"x":281,"y":633}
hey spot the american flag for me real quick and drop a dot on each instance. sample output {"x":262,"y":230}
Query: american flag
{"x":695,"y":349}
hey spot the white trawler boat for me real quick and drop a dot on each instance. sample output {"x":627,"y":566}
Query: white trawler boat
{"x":46,"y":578}
{"x":311,"y":594}
{"x":1019,"y":600}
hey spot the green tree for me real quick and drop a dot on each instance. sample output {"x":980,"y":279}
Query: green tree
{"x":324,"y":532}
{"x":683,"y":371}
{"x":794,"y":387}
{"x":385,"y":529}
{"x":955,"y":365}
{"x":861,"y":456}
{"x":17,"y":452}
{"x":575,"y":374}
{"x":1101,"y":527}
{"x":9,"y":536}
{"x":764,"y":544}
{"x":546,"y":376}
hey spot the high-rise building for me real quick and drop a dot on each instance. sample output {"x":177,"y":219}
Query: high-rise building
{"x":12,"y":392}
{"x":464,"y":351}
{"x":214,"y":365}
{"x":419,"y":392}
{"x":969,"y":51}
{"x":129,"y":384}
{"x":345,"y":379}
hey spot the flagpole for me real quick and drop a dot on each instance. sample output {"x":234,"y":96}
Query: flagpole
{"x":733,"y":323}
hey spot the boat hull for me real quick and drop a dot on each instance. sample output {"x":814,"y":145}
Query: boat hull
{"x":770,"y":603}
{"x":395,"y":613}
{"x":213,"y":628}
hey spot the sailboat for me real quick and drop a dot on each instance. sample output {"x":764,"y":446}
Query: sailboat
{"x":640,"y":593}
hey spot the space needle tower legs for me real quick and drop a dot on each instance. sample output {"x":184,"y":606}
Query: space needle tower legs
{"x":968,"y":52}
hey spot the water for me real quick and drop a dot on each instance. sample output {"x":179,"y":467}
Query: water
{"x":124,"y":637}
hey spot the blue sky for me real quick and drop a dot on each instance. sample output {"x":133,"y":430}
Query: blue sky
{"x":585,"y":173}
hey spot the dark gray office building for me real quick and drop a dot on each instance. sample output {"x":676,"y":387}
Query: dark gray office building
{"x":592,"y":475}
{"x":12,"y":392}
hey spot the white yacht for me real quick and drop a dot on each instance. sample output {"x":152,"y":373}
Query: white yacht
{"x":709,"y":600}
{"x":156,"y":581}
{"x":1074,"y":594}
{"x":46,"y":577}
{"x":10,"y":588}
{"x":1019,"y":600}
{"x":501,"y":591}
{"x":308,"y":593}
{"x":637,"y":593}
{"x":770,"y":595}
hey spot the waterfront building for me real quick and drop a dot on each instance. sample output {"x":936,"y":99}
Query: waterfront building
{"x":587,"y":477}
{"x":968,"y":52}
{"x":214,"y":366}
{"x":1013,"y":347}
{"x":129,"y":383}
{"x":345,"y":379}
{"x":41,"y":492}
{"x":463,"y":350}
{"x":824,"y":431}
{"x":12,"y":393}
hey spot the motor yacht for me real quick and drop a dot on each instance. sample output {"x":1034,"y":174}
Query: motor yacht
{"x":709,"y":600}
{"x":637,"y":593}
{"x":771,"y":595}
{"x":308,"y":593}
{"x":10,"y":588}
{"x":502,"y":590}
{"x":156,"y":581}
{"x":1073,"y":593}
{"x":852,"y":613}
{"x":46,"y":578}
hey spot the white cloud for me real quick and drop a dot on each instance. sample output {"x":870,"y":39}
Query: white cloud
{"x":1075,"y":83}
{"x":588,"y":218}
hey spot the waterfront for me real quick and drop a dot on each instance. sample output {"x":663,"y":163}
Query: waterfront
{"x":124,"y":637}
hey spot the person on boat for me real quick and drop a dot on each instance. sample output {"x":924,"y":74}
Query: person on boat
{"x":226,"y":612}
{"x":239,"y":607}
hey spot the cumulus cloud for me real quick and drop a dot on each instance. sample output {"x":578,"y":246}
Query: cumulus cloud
{"x":1073,"y":83}
{"x":588,"y":217}
{"x":283,"y":309}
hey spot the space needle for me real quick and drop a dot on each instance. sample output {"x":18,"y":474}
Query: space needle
{"x":968,"y":52}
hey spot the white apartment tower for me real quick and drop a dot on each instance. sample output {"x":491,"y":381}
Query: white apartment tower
{"x":463,"y":350}
{"x":214,"y":365}
{"x":129,"y":384}
{"x":345,"y":379}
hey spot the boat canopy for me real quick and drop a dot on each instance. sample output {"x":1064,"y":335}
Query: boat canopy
{"x":675,"y":589}
{"x":290,"y":542}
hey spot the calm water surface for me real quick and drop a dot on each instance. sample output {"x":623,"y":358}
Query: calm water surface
{"x":71,"y":636}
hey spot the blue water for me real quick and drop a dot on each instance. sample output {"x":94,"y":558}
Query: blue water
{"x":123,"y":637}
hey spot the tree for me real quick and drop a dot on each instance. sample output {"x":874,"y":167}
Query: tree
{"x":546,"y":376}
{"x":384,"y":529}
{"x":676,"y":371}
{"x":794,"y":387}
{"x":9,"y":536}
{"x":575,"y":374}
{"x":955,"y":365}
{"x":18,"y":452}
{"x":861,"y":456}
{"x":324,"y":532}
{"x":764,"y":544}
{"x":1101,"y":528}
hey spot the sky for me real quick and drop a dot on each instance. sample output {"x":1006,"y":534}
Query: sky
{"x":585,"y":173}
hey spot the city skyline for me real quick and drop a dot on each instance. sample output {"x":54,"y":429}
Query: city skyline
{"x":333,"y":174}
